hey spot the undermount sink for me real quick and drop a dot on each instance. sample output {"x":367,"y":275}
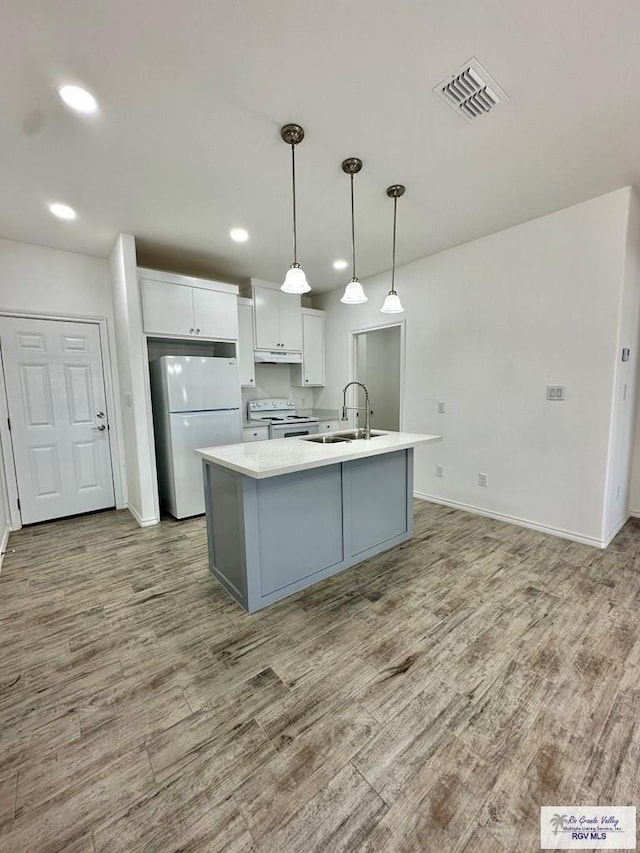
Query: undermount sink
{"x":328,"y":439}
{"x":356,"y":434}
{"x":341,"y":437}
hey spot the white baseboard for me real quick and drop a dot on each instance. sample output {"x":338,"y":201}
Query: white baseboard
{"x":4,"y":541}
{"x":634,"y":513}
{"x":521,"y":522}
{"x":143,"y":522}
{"x":615,"y":530}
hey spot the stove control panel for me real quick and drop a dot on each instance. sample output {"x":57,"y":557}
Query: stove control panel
{"x":277,"y":405}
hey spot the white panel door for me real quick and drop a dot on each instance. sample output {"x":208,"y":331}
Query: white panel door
{"x":57,"y":409}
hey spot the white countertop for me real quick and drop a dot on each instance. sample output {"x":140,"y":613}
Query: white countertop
{"x":261,"y":459}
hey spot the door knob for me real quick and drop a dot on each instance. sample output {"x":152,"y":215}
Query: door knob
{"x":101,"y":427}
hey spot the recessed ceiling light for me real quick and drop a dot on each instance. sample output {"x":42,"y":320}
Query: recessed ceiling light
{"x":240,"y":235}
{"x":62,"y":211}
{"x":340,"y":265}
{"x":78,"y":99}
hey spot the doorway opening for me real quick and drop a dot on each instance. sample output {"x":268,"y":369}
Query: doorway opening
{"x":377,"y":357}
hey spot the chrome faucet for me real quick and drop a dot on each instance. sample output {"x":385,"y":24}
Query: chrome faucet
{"x":367,"y":422}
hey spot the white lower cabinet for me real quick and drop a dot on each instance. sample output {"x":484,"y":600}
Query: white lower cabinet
{"x":260,"y":433}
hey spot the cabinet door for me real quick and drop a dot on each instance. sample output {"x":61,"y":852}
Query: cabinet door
{"x":246,"y":364}
{"x":290,"y":321}
{"x":167,"y":309}
{"x":215,"y":314}
{"x":266,"y":305}
{"x":257,"y":434}
{"x":313,"y":349}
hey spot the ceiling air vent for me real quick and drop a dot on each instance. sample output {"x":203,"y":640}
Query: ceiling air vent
{"x":470,"y":91}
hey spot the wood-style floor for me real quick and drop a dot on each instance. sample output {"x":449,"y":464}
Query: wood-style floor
{"x":430,"y":699}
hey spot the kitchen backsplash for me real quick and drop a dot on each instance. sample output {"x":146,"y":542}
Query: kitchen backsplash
{"x":274,"y":380}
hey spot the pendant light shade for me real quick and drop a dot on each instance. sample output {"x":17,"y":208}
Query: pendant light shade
{"x":354,"y":292}
{"x":392,"y":304}
{"x":295,"y":280}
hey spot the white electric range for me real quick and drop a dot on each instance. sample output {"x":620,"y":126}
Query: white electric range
{"x":282,"y":418}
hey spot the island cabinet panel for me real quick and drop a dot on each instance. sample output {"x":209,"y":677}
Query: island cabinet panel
{"x":224,"y":508}
{"x":299,"y":526}
{"x":378,"y":500}
{"x":270,"y":537}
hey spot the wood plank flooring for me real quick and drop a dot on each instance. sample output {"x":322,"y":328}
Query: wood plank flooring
{"x":429,"y":699}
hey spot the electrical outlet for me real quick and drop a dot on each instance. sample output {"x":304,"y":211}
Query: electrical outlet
{"x":439,"y":471}
{"x":441,"y":407}
{"x":483,"y":480}
{"x":556,"y":392}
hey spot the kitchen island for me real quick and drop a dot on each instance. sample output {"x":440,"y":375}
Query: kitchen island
{"x":284,"y":514}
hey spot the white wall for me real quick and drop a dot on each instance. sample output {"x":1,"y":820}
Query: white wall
{"x":489,"y":325}
{"x":39,"y":280}
{"x":50,"y":281}
{"x":134,"y":384}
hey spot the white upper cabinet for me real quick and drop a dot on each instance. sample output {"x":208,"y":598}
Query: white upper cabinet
{"x":166,"y":308}
{"x":179,"y":306}
{"x":311,"y":372}
{"x":215,"y":313}
{"x":246,"y":363}
{"x":277,"y":318}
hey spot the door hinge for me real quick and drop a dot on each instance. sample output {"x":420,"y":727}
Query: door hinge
{"x":18,"y":500}
{"x":9,"y":423}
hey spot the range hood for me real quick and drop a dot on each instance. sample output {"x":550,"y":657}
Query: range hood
{"x":277,"y":357}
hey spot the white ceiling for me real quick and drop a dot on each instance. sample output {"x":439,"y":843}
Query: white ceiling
{"x":193,"y":94}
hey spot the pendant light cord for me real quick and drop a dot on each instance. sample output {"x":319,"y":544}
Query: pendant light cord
{"x":353,"y":232}
{"x":393,"y":264}
{"x":293,"y":176}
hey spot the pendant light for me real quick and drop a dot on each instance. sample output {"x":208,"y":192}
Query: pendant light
{"x":295,"y":280}
{"x":353,"y":292}
{"x":392,"y":304}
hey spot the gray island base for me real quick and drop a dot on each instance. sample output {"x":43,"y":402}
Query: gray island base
{"x":273,"y":530}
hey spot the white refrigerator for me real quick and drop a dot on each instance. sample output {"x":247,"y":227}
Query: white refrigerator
{"x":196,"y":403}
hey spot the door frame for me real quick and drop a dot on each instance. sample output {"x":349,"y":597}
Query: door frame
{"x":353,"y":358}
{"x":115,"y":426}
